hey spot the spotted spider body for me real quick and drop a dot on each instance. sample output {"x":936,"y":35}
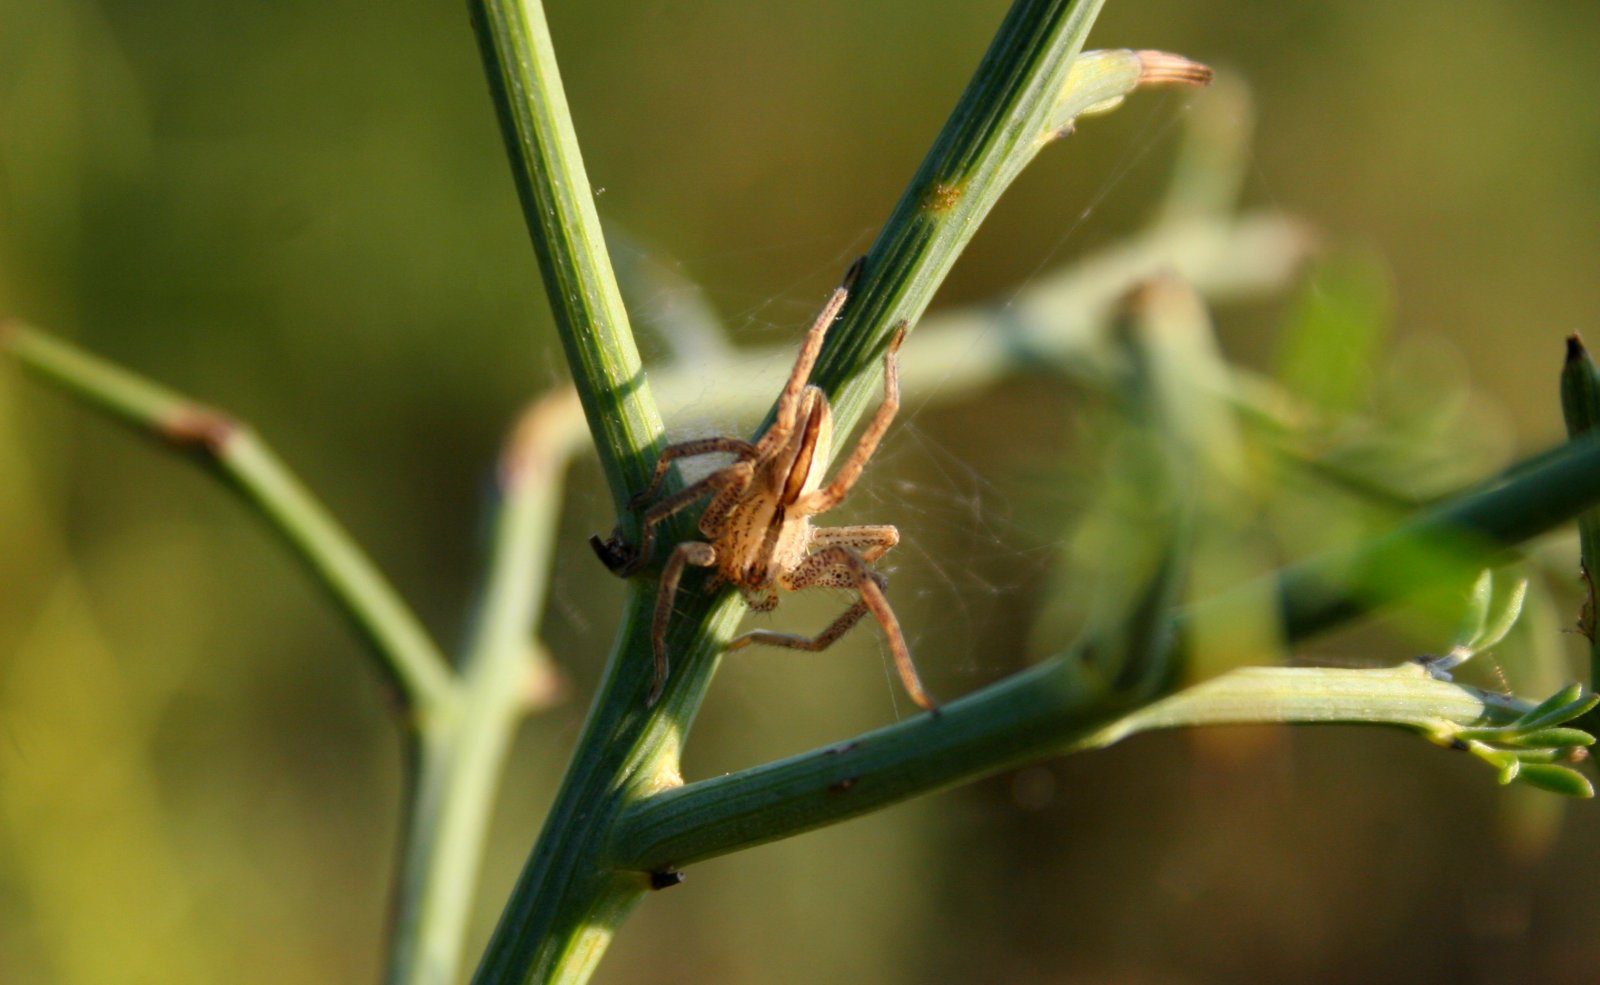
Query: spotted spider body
{"x":757,"y":524}
{"x":760,"y":538}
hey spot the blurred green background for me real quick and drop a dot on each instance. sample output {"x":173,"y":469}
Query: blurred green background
{"x":301,"y":212}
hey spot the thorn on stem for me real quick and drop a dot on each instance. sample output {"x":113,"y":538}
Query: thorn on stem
{"x":665,"y":879}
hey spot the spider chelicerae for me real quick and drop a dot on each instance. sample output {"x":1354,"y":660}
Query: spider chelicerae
{"x":758,"y":529}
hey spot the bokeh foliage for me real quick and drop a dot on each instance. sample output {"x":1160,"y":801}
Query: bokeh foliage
{"x":303,"y":212}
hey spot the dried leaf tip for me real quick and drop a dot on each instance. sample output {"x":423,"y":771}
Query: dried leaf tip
{"x":1162,"y":68}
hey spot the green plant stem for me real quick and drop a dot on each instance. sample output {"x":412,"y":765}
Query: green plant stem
{"x":568,"y":898}
{"x":1580,"y":407}
{"x":1002,"y":116}
{"x":1446,"y":544}
{"x":505,"y":673}
{"x":1405,"y":696}
{"x":455,"y":762}
{"x":558,"y":205}
{"x":1051,"y":708}
{"x":1056,"y":704}
{"x":566,"y":903}
{"x":959,"y":352}
{"x":1057,"y":324}
{"x":421,"y":675}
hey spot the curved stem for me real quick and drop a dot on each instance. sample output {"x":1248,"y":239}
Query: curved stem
{"x":408,"y":657}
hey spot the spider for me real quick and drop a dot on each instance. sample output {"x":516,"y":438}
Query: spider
{"x":759,"y":535}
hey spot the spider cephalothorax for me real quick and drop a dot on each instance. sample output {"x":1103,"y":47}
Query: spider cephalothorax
{"x":759,"y":535}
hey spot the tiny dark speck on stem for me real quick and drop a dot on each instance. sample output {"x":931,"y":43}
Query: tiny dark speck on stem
{"x":840,"y":786}
{"x":665,"y":880}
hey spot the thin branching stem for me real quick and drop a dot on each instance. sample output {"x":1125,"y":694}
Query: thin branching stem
{"x":421,"y":675}
{"x":569,"y":896}
{"x":505,"y":674}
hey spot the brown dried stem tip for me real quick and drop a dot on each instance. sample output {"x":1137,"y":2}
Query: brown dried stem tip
{"x":1160,"y":68}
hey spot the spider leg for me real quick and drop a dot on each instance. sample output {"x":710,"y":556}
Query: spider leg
{"x":688,"y":552}
{"x":794,"y":641}
{"x":871,"y":541}
{"x":688,"y":449}
{"x":789,"y":400}
{"x":829,"y":496}
{"x":735,"y":476}
{"x":841,"y":567}
{"x":872,"y":594}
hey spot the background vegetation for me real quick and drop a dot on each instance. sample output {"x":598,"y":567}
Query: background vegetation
{"x":303,"y":213}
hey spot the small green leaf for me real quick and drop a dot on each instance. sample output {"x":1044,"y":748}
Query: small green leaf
{"x":1476,"y":615}
{"x":1501,"y":615}
{"x":1550,"y":738}
{"x":1500,"y":759}
{"x":1565,"y":705}
{"x":1511,"y":770}
{"x":1556,"y":779}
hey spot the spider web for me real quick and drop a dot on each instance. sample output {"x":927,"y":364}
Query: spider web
{"x":981,"y":520}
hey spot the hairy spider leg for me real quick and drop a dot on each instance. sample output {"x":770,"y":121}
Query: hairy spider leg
{"x":833,"y":493}
{"x":689,"y":449}
{"x":689,"y":552}
{"x":842,"y":567}
{"x":871,"y":541}
{"x":728,"y":483}
{"x":788,"y":407}
{"x":789,"y":400}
